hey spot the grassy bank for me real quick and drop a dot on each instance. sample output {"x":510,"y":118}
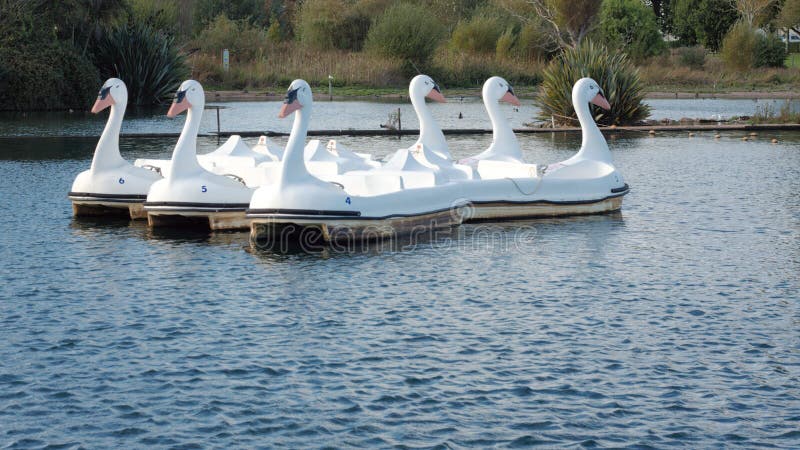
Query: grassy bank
{"x":667,"y":74}
{"x":361,"y":74}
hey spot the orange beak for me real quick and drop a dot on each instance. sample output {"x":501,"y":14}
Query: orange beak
{"x":178,"y":108}
{"x":508,"y":97}
{"x":601,"y":101}
{"x":100,"y":105}
{"x":288,"y":108}
{"x":436,"y":96}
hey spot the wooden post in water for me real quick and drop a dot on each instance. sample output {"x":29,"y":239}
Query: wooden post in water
{"x":399,"y":125}
{"x":217,"y":125}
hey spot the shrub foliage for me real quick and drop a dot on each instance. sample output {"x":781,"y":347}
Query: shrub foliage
{"x":618,"y":78}
{"x":406,"y":31}
{"x":145,"y":59}
{"x":631,"y":26}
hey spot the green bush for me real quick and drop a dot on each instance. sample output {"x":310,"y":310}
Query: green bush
{"x":254,"y":12}
{"x":739,"y":47}
{"x":243,"y":41}
{"x":156,"y":13}
{"x":327,"y":24}
{"x":505,"y":43}
{"x":477,"y":35}
{"x":692,"y":57}
{"x":618,"y":78}
{"x":406,"y":31}
{"x":145,"y":59}
{"x":352,"y":31}
{"x":45,"y":76}
{"x":534,"y":42}
{"x":630,"y":25}
{"x":769,"y":52}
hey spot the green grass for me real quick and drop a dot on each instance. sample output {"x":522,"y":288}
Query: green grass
{"x":793,"y":60}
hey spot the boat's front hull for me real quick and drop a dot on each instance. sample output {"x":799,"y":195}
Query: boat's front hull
{"x":197,"y":215}
{"x":269,"y":226}
{"x":85,"y":204}
{"x":509,"y":210}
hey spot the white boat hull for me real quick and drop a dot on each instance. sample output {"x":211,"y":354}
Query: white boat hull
{"x":497,"y":211}
{"x":107,"y":205}
{"x":214,"y":217}
{"x":269,"y":227}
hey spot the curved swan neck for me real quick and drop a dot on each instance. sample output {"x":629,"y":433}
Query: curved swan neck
{"x":594,"y":146}
{"x":430,"y":134}
{"x":185,"y":155}
{"x":503,"y":137}
{"x":294,"y":165}
{"x":107,"y":151}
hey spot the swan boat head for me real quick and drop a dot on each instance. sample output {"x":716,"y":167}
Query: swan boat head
{"x":190,"y":95}
{"x":298,"y":96}
{"x":113,"y":92}
{"x":423,"y":86}
{"x":586,"y":90}
{"x":496,"y":89}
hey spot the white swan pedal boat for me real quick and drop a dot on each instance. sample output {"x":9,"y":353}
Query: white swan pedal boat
{"x":112,"y":186}
{"x":190,"y":195}
{"x":421,"y":189}
{"x":509,"y":188}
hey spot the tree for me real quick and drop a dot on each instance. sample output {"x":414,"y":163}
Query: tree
{"x":703,"y":21}
{"x":751,"y":11}
{"x":81,"y":21}
{"x":567,"y":21}
{"x":631,"y":26}
{"x":663,"y":11}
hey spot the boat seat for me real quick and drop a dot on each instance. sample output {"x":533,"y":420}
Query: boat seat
{"x":379,"y":184}
{"x":163,"y":165}
{"x":492,"y":170}
{"x":468,"y":171}
{"x":323,"y":169}
{"x":581,"y":169}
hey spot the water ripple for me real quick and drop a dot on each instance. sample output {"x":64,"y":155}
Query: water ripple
{"x":673,"y":324}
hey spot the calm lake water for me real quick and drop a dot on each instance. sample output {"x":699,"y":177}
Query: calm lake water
{"x":263,"y":116}
{"x":675,"y":323}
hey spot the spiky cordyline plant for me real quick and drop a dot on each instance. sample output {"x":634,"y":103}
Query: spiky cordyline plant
{"x":145,"y":59}
{"x":618,"y":78}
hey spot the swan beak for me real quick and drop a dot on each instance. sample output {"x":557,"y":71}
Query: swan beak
{"x":509,"y":97}
{"x":104,"y":100}
{"x":288,"y":108}
{"x":436,"y":95}
{"x":179,"y":105}
{"x":290,"y":104}
{"x":600,"y":100}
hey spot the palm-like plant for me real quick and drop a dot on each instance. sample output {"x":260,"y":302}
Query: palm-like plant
{"x":618,"y":78}
{"x":146,"y":59}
